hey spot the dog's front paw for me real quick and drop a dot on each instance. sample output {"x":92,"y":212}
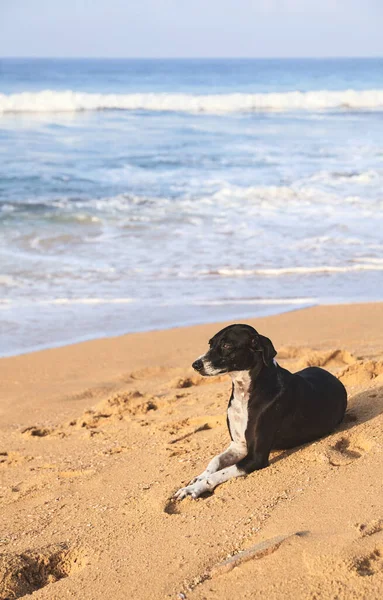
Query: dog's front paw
{"x":194,"y":490}
{"x":198,"y":478}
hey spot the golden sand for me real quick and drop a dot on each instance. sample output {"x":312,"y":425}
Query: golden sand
{"x":96,"y":437}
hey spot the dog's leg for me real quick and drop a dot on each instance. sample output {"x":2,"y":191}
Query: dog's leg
{"x":228,"y":457}
{"x":208,"y":484}
{"x":256,"y":458}
{"x":250,"y":463}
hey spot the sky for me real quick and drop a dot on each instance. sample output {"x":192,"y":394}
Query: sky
{"x":190,"y":28}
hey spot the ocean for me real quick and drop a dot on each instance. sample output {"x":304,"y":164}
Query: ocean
{"x":146,"y":194}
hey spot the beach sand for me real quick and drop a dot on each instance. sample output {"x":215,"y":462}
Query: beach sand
{"x":96,"y":437}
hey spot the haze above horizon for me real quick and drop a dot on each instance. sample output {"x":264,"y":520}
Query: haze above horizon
{"x":181,"y":29}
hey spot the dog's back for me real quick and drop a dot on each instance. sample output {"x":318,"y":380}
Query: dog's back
{"x":314,"y":403}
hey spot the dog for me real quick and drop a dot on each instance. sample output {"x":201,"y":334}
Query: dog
{"x":269,"y":407}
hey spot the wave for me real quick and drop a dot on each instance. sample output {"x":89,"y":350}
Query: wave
{"x":6,"y":303}
{"x":71,"y":101}
{"x":259,"y":301}
{"x":89,"y":209}
{"x":280,"y":271}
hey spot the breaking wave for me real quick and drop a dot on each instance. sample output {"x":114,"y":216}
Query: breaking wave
{"x":259,"y":301}
{"x":71,"y":101}
{"x":372,"y":265}
{"x":6,"y":303}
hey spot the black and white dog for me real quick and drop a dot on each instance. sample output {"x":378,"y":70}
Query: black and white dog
{"x":269,"y":407}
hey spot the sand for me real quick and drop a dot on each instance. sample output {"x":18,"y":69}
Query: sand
{"x":96,"y":437}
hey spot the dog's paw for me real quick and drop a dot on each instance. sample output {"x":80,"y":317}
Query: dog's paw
{"x":198,"y":478}
{"x":194,"y":490}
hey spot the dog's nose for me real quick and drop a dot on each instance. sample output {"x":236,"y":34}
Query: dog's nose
{"x":198,"y":365}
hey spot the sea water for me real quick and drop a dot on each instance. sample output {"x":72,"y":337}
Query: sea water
{"x":143,"y":194}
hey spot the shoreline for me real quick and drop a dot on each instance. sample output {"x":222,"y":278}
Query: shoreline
{"x":182,"y":324}
{"x":121,"y":333}
{"x":55,"y":373}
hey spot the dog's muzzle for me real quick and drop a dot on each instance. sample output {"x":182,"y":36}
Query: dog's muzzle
{"x":198,"y":365}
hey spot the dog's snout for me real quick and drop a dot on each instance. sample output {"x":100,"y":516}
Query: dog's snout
{"x":198,"y":364}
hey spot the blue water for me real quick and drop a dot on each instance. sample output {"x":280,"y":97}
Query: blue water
{"x":139,"y":194}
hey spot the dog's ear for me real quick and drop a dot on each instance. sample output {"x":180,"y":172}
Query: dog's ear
{"x":266,"y":347}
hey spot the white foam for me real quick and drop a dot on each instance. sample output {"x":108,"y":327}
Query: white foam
{"x":259,"y":301}
{"x":275,"y":196}
{"x":5,"y":303}
{"x":88,"y":301}
{"x":370,"y":259}
{"x":72,"y":101}
{"x":8,"y":281}
{"x":275,"y":272}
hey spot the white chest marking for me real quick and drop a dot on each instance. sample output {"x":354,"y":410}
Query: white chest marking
{"x":238,"y":410}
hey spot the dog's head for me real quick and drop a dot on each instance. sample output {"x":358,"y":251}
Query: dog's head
{"x":235,"y":348}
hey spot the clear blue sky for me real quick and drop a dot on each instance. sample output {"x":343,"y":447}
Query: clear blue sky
{"x":191,"y":28}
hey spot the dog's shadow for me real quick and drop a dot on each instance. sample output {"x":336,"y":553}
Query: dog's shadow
{"x":361,"y":408}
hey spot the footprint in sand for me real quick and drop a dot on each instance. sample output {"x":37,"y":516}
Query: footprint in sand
{"x":302,"y":357}
{"x":25,"y":573}
{"x":116,"y":407}
{"x":133,"y":403}
{"x":368,"y":529}
{"x":331,"y":359}
{"x":121,"y":405}
{"x":35,"y":431}
{"x":362,"y":373}
{"x":345,"y":451}
{"x":366,"y":566}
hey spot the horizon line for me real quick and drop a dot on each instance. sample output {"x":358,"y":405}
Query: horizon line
{"x":332,"y":57}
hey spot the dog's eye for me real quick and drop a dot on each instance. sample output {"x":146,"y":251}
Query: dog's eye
{"x":226,"y":346}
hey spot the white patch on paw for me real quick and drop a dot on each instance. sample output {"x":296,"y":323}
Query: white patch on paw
{"x":194,"y":490}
